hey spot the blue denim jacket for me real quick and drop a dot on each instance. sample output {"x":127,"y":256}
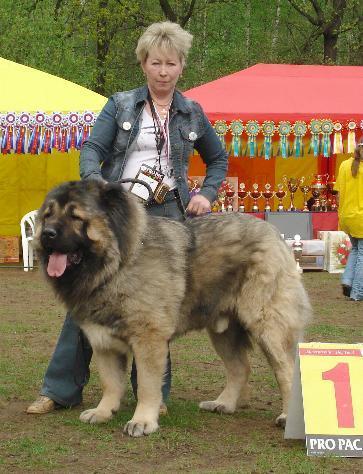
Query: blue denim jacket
{"x":105,"y":152}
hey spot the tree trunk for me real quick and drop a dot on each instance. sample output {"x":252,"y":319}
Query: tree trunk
{"x":330,"y":47}
{"x":102,"y":47}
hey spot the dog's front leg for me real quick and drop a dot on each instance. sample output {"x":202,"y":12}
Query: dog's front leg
{"x":150,"y":357}
{"x":112,"y":367}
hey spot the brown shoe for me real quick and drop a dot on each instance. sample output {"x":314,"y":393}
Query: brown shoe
{"x":41,"y":405}
{"x":163,"y":409}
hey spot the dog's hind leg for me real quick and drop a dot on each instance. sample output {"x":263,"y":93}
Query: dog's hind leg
{"x":112,"y":367}
{"x":150,"y":357}
{"x":232,"y":346}
{"x":278,"y":343}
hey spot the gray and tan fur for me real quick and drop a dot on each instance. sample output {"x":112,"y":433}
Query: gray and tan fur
{"x":134,"y":282}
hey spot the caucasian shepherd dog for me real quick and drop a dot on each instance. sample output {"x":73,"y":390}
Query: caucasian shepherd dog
{"x":134,"y":282}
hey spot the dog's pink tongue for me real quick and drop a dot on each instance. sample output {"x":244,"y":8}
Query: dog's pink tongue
{"x":57,"y":264}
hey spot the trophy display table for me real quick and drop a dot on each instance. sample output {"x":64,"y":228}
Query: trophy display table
{"x":307,"y":224}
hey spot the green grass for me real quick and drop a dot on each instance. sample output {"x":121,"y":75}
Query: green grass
{"x":189,"y":440}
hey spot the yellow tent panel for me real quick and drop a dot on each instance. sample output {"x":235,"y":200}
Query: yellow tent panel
{"x":26,"y":178}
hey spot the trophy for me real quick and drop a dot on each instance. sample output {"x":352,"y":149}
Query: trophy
{"x":255,"y":194}
{"x":305,"y":188}
{"x":297,"y":246}
{"x":292,"y":185}
{"x":230,"y":195}
{"x":332,"y":199}
{"x":268,"y":195}
{"x":318,"y":189}
{"x":242,"y":194}
{"x":280,"y":194}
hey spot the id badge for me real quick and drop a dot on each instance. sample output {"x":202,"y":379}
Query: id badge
{"x":151,"y":176}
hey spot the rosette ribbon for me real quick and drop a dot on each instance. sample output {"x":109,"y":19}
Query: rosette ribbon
{"x":315,"y":129}
{"x":338,"y":140}
{"x":252,"y":129}
{"x":327,"y":128}
{"x":8,"y":141}
{"x":236,"y":127}
{"x":268,"y":130}
{"x":284,"y":130}
{"x":221,"y":129}
{"x":351,"y":126}
{"x":300,"y":128}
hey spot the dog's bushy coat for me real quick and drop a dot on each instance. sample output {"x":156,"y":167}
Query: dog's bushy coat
{"x":134,"y":282}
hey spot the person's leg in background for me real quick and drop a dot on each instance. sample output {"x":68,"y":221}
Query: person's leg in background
{"x":349,"y":271}
{"x":67,"y":372}
{"x":357,"y":283}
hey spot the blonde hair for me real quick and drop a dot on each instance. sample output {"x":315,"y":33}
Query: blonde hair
{"x":358,"y":158}
{"x":165,"y":36}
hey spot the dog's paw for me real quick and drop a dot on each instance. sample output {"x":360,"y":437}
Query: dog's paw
{"x":95,"y":416}
{"x":140,"y":428}
{"x":216,"y":406}
{"x":281,"y":420}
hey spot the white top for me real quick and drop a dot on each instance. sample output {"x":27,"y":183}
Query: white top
{"x":145,"y":152}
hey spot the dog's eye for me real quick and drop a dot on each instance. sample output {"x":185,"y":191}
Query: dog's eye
{"x":46,"y":215}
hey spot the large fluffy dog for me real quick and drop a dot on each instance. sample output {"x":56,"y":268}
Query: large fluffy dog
{"x":134,"y":282}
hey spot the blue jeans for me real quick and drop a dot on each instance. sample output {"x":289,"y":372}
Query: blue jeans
{"x":353,"y":273}
{"x":68,"y":370}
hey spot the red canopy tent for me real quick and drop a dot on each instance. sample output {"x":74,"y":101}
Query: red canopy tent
{"x":284,"y":92}
{"x":303,"y":119}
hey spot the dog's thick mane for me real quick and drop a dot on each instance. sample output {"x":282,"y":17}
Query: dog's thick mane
{"x":106,"y":247}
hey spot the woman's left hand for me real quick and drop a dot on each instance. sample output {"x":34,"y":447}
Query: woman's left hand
{"x":198,"y":205}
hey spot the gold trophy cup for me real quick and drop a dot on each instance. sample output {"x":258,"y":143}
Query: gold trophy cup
{"x":255,"y":194}
{"x":280,"y":194}
{"x":305,"y":189}
{"x":292,"y":185}
{"x":268,"y":194}
{"x":242,"y":194}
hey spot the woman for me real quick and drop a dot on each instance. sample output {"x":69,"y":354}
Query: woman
{"x":151,"y":127}
{"x":350,"y":187}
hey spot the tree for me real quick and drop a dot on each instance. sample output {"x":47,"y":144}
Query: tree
{"x":326,"y":17}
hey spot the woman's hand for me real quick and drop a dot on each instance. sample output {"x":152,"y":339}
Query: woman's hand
{"x":198,"y":205}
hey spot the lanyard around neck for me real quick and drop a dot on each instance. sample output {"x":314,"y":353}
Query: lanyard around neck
{"x":161,"y":131}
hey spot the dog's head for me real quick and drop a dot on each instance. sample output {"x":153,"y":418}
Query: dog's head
{"x":83,"y":225}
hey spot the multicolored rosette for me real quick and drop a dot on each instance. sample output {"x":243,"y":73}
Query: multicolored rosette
{"x":284,"y":130}
{"x":252,"y":129}
{"x":327,"y":128}
{"x":37,"y":123}
{"x":56,"y":121}
{"x":22,"y":123}
{"x":351,"y":127}
{"x":87,"y":120}
{"x":221,"y":128}
{"x":74,"y":121}
{"x":268,"y":130}
{"x":299,"y":129}
{"x":8,"y":141}
{"x":315,"y":130}
{"x":236,"y":127}
{"x":338,"y":140}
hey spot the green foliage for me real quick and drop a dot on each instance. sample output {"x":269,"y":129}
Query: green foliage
{"x":92,"y":42}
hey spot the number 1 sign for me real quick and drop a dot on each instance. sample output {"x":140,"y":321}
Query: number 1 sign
{"x":326,"y":404}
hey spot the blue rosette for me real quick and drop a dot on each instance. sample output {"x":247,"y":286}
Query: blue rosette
{"x":268,"y":130}
{"x":236,"y":127}
{"x":299,"y":129}
{"x":284,"y":130}
{"x":252,"y":129}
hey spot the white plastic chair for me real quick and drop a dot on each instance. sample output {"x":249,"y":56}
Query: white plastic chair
{"x":27,"y":226}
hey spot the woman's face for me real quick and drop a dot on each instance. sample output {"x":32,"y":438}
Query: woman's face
{"x":162,"y":70}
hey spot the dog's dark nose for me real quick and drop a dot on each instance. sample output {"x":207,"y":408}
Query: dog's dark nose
{"x":49,"y":233}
